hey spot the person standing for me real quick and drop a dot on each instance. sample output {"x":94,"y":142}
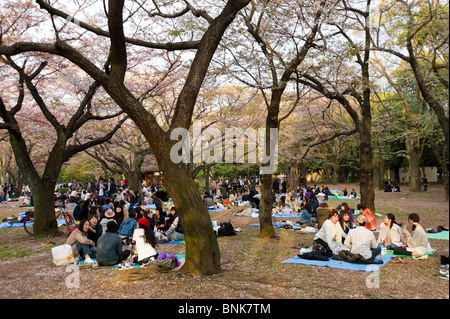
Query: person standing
{"x":425,"y":183}
{"x":284,"y":186}
{"x":74,"y":185}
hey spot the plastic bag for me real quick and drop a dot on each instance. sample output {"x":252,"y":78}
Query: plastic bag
{"x":62,"y":255}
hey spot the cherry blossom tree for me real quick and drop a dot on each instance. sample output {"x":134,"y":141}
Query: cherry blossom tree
{"x":67,"y":141}
{"x":126,"y":36}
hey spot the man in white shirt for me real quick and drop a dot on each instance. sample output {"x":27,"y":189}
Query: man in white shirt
{"x":362,"y":241}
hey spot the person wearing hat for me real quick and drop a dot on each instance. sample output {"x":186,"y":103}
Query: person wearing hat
{"x":145,"y":242}
{"x":109,"y":216}
{"x":362,"y":241}
{"x":109,"y":246}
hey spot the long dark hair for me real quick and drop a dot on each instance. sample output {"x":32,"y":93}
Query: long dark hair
{"x":341,"y":219}
{"x":81,"y":225}
{"x":392,"y":218}
{"x":149,"y":236}
{"x":308,"y":207}
{"x":415,"y":218}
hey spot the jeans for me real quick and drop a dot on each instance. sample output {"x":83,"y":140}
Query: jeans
{"x":86,"y":250}
{"x":375,"y":252}
{"x":176,"y":236}
{"x":391,"y":247}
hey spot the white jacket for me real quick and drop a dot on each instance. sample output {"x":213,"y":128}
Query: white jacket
{"x":329,"y":232}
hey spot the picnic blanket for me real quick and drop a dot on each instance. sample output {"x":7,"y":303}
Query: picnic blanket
{"x":276,"y":225}
{"x":150,"y":206}
{"x":216,"y":209}
{"x":254,"y":215}
{"x":391,"y":253}
{"x":8,"y":225}
{"x":344,"y":197}
{"x":339,"y":264}
{"x":171,"y":242}
{"x":286,"y":215}
{"x":81,"y":262}
{"x":441,"y":235}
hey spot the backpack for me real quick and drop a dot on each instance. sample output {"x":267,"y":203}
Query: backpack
{"x":226,"y":229}
{"x":164,"y":265}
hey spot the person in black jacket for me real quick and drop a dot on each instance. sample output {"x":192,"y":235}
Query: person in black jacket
{"x":95,"y":229}
{"x":158,"y":220}
{"x":81,"y":211}
{"x":314,"y":203}
{"x":276,"y":185}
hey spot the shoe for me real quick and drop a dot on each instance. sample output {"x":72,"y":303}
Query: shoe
{"x":398,"y":260}
{"x":299,"y":246}
{"x":423,"y":257}
{"x":48,"y":244}
{"x":89,"y":261}
{"x":443,"y":272}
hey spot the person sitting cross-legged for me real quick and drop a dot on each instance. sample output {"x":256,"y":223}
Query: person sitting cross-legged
{"x":109,"y":247}
{"x":362,"y":241}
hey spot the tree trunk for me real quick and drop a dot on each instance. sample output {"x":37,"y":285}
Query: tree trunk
{"x":202,"y":249}
{"x":265,"y":207}
{"x":44,"y":209}
{"x":292,"y":181}
{"x":19,"y":183}
{"x":415,"y":182}
{"x":366,"y":179}
{"x":207,"y":172}
{"x":134,"y":180}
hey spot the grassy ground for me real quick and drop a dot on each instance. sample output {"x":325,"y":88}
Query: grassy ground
{"x":251,"y":266}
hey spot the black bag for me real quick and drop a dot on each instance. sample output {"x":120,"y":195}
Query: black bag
{"x":320,"y":245}
{"x":226,"y":229}
{"x":314,"y":255}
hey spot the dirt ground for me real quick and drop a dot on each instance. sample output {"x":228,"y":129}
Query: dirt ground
{"x":251,"y":266}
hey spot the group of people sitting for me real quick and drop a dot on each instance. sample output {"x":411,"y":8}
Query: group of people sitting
{"x":340,"y":230}
{"x":391,"y":187}
{"x":103,"y":237}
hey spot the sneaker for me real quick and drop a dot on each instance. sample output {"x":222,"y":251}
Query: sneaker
{"x":443,"y":275}
{"x":443,"y":268}
{"x":89,"y":261}
{"x":124,"y":266}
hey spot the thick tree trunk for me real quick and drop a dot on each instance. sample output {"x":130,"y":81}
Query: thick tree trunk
{"x":134,"y":180}
{"x":202,"y":249}
{"x":265,"y":207}
{"x":292,"y":181}
{"x":366,"y":179}
{"x":44,"y":209}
